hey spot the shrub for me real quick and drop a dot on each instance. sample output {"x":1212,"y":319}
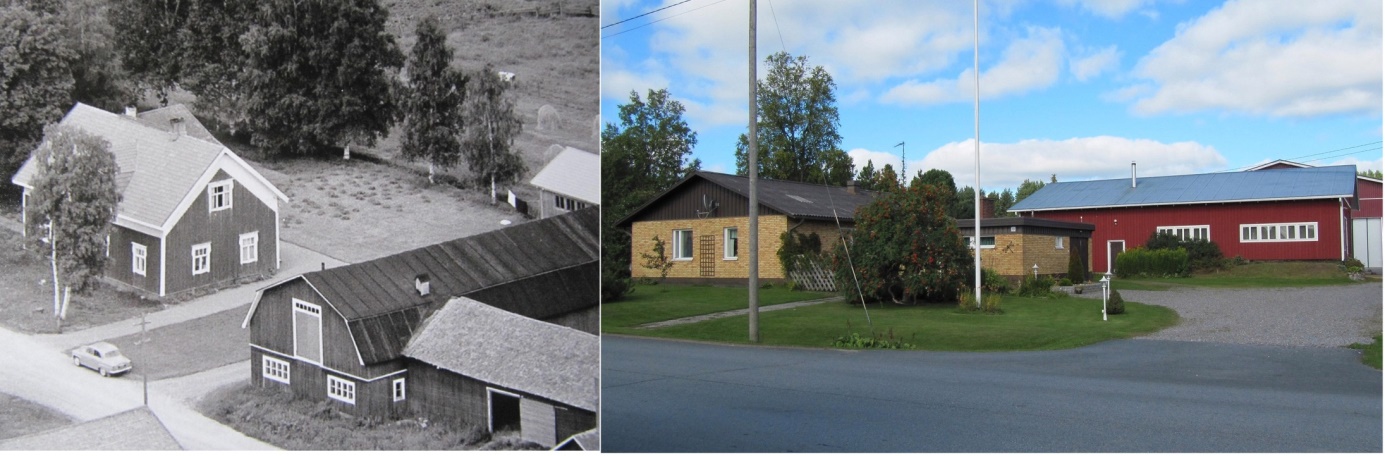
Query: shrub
{"x":886,"y":340}
{"x":993,"y":282}
{"x":1203,"y":255}
{"x":906,"y":248}
{"x":656,"y":259}
{"x":1115,"y":305}
{"x":1065,"y":282}
{"x":1076,"y":273}
{"x":615,"y":285}
{"x":990,"y":302}
{"x":1353,"y":265}
{"x":966,"y":301}
{"x":795,"y":246}
{"x":1040,"y":287}
{"x":1142,"y":262}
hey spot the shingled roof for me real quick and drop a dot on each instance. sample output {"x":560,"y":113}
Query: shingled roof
{"x":539,"y":269}
{"x":158,"y":168}
{"x":474,"y":339}
{"x":1329,"y":182}
{"x":794,"y":199}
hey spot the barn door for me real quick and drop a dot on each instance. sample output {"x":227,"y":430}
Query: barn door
{"x":504,"y":410}
{"x":537,"y":422}
{"x":307,"y":331}
{"x":706,"y":261}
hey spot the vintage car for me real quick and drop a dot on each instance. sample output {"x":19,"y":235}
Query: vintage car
{"x":103,"y":357}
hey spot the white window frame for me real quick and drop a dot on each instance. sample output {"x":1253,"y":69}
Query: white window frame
{"x":679,"y":243}
{"x":276,"y":369}
{"x":222,"y":188}
{"x":1188,"y":232}
{"x":341,"y":389}
{"x":206,"y":258}
{"x":139,"y":258}
{"x":1058,"y":243}
{"x":251,"y":240}
{"x":1279,"y":232}
{"x":730,"y":240}
{"x":968,"y":240}
{"x":316,"y":311}
{"x":399,"y":389}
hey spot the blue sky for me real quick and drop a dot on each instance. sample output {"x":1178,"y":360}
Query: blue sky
{"x":1073,"y":88}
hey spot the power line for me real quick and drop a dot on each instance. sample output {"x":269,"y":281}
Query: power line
{"x":782,"y":46}
{"x":1242,"y":168}
{"x":645,"y":14}
{"x":1343,"y":155}
{"x":659,"y":20}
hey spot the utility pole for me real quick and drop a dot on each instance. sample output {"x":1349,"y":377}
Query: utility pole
{"x":754,"y":196}
{"x":143,"y":338}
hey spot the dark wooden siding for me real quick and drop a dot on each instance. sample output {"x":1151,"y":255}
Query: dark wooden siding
{"x":573,"y":421}
{"x":222,"y":229}
{"x":1134,"y":226}
{"x":684,"y":203}
{"x":120,"y":267}
{"x":1368,"y":194}
{"x":308,"y":381}
{"x":272,"y":327}
{"x":447,"y":396}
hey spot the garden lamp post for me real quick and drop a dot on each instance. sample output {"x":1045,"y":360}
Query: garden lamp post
{"x":1036,"y":270}
{"x":1105,"y":293}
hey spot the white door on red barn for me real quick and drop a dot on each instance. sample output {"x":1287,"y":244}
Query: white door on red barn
{"x":1113,"y":248}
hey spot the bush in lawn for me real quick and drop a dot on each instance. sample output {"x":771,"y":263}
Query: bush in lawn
{"x":795,"y":248}
{"x":615,"y":284}
{"x":1115,"y":304}
{"x":993,"y":282}
{"x":1142,"y":262}
{"x":990,"y":302}
{"x":1076,"y":272}
{"x":1036,"y":287}
{"x":906,"y":249}
{"x":1065,"y":282}
{"x":1203,"y":255}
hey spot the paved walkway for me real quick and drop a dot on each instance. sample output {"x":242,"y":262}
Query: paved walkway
{"x":296,"y":260}
{"x":732,"y":313}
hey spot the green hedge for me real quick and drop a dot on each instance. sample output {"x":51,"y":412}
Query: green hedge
{"x":1140,"y":262}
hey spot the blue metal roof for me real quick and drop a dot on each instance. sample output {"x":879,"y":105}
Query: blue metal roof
{"x":1263,"y":185}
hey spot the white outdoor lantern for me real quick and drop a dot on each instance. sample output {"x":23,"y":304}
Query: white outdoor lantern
{"x":1105,"y":293}
{"x":1036,"y":270}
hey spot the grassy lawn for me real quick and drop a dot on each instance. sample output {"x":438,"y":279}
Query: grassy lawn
{"x":1254,"y":275}
{"x":189,"y":347}
{"x":1027,"y":324}
{"x":27,"y":287}
{"x":651,"y":303}
{"x":1370,"y":353}
{"x":296,"y":424}
{"x":19,"y":417}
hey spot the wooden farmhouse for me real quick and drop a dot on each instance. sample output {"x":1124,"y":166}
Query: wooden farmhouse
{"x":567,"y":182}
{"x":703,"y":219}
{"x":1271,"y":214}
{"x":345,"y":335}
{"x":192,"y":214}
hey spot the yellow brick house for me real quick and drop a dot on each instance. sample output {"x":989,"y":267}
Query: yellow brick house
{"x":1013,"y":246}
{"x":703,"y":222}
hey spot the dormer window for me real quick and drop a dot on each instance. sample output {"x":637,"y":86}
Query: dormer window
{"x":421,"y":284}
{"x":219,"y":195}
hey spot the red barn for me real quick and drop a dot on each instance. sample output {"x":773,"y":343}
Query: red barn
{"x":1366,"y":239}
{"x":1273,"y":214}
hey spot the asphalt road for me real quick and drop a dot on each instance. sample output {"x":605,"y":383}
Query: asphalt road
{"x":1117,"y":396}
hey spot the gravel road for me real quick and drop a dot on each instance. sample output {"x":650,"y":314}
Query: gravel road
{"x":1303,"y":317}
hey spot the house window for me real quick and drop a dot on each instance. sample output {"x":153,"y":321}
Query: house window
{"x":138,"y":253}
{"x":201,"y":258}
{"x":219,"y":195}
{"x":341,"y":389}
{"x":1058,"y":242}
{"x":249,"y":247}
{"x":275,"y":369}
{"x":987,"y":242}
{"x":563,"y":202}
{"x":1280,"y":232}
{"x":732,"y":244}
{"x":682,"y":245}
{"x":1189,"y":232}
{"x":398,"y":389}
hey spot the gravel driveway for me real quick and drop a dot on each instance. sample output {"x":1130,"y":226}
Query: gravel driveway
{"x":1305,"y":317}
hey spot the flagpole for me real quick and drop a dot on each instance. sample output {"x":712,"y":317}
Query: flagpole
{"x":976,"y":119}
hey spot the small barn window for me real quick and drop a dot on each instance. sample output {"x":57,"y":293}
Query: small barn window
{"x":201,"y":258}
{"x":682,"y":245}
{"x":1280,"y":232}
{"x":138,"y":253}
{"x":399,"y":389}
{"x":341,"y":389}
{"x":275,"y":369}
{"x":250,"y":247}
{"x":1188,"y":232}
{"x":219,"y":195}
{"x":731,"y":250}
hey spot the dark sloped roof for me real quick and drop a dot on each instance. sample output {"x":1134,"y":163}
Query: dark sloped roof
{"x":133,"y":430}
{"x":538,"y":269}
{"x":1263,"y":185}
{"x":502,"y":348}
{"x":795,"y":199}
{"x":969,"y":224}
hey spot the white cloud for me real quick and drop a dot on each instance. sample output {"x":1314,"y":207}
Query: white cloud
{"x":1029,"y":63}
{"x":1095,"y":64}
{"x":1282,"y":58}
{"x":1110,"y":9}
{"x":1076,"y":159}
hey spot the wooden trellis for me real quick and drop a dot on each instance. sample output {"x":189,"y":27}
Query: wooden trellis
{"x":812,"y":275}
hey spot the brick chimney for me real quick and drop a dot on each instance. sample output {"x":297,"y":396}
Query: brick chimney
{"x":987,"y":208}
{"x":851,"y":187}
{"x":131,"y":111}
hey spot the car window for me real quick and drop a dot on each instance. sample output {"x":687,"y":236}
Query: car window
{"x":112,"y":354}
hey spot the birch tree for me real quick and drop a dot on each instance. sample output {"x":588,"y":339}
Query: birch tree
{"x":71,"y":207}
{"x":433,"y":101}
{"x":492,"y":126}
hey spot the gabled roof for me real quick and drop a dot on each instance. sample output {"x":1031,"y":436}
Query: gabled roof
{"x":794,"y":199}
{"x":158,"y":169}
{"x":573,"y":172}
{"x":1328,"y":182}
{"x":509,"y":350}
{"x":1281,"y":164}
{"x":132,"y":430}
{"x":540,"y":269}
{"x":588,"y":440}
{"x":162,"y":118}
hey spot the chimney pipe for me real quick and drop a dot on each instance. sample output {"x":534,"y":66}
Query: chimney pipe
{"x":1132,"y":174}
{"x":131,"y":111}
{"x":851,"y":187}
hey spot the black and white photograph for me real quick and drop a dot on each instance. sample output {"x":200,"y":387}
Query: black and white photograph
{"x":300,"y":225}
